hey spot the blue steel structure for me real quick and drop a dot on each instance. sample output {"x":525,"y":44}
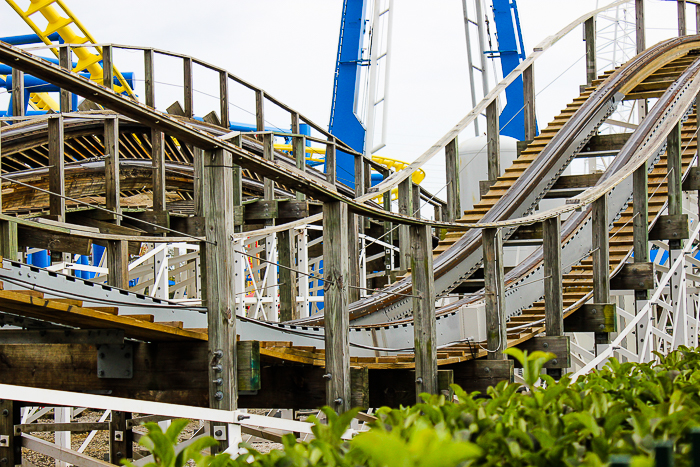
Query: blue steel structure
{"x":344,"y":122}
{"x":511,"y":51}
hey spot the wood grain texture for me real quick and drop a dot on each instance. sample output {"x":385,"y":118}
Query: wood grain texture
{"x":452,"y":166}
{"x":57,"y":185}
{"x":553,"y":288}
{"x":112,"y":185}
{"x":494,"y":293}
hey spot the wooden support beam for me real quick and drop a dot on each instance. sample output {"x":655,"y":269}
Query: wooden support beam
{"x":553,"y":289}
{"x":493,"y":151}
{"x":57,"y":202}
{"x":18,"y":103}
{"x":634,"y":276}
{"x":601,"y":259}
{"x":55,"y":241}
{"x":287,"y":277}
{"x":219,"y":284}
{"x":121,"y":439}
{"x":75,"y":427}
{"x":494,"y":292}
{"x":112,"y":190}
{"x":558,"y":345}
{"x":118,"y":263}
{"x":64,"y":61}
{"x":529,"y":100}
{"x":198,"y":191}
{"x":158,"y":164}
{"x":682,"y":24}
{"x":223,"y":99}
{"x":675,"y":177}
{"x":639,"y":25}
{"x":187,"y":87}
{"x":248,"y":366}
{"x":354,"y":226}
{"x":10,"y":447}
{"x":393,"y":388}
{"x":299,"y":149}
{"x":592,"y":317}
{"x":107,"y":67}
{"x":405,"y":208}
{"x":672,"y":228}
{"x":237,"y":183}
{"x":589,"y":35}
{"x":331,"y":162}
{"x":62,"y":336}
{"x":149,"y":77}
{"x":268,"y":154}
{"x":337,"y":319}
{"x":9,"y":241}
{"x":452,"y":174}
{"x":424,"y":334}
{"x":640,"y":233}
{"x":479,"y":375}
{"x":697,"y":18}
{"x":260,"y":110}
{"x":692,"y":180}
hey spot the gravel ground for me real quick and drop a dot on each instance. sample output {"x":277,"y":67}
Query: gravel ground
{"x":99,"y":446}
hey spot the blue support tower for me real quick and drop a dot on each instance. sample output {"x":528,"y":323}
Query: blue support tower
{"x":511,"y":52}
{"x":344,"y":123}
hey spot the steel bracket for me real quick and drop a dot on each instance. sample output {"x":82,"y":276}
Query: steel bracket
{"x":115,"y":361}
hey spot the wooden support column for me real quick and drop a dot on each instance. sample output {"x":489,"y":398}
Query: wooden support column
{"x":388,"y":234}
{"x":682,"y":24}
{"x":260,"y":110}
{"x":405,"y":208}
{"x":219,"y":280}
{"x":553,"y":287}
{"x":120,"y":438}
{"x":149,"y":80}
{"x":158,"y":164}
{"x":454,"y":210}
{"x":18,"y":103}
{"x":354,"y":227}
{"x":494,"y":293}
{"x":268,"y":154}
{"x":639,"y":21}
{"x":10,"y":447}
{"x":118,"y":263}
{"x":675,"y":176}
{"x":8,"y":235}
{"x":697,"y":18}
{"x":188,"y":89}
{"x":112,"y":190}
{"x":287,"y":277}
{"x":331,"y":164}
{"x":223,"y":99}
{"x":299,"y":149}
{"x":198,"y":192}
{"x":107,"y":67}
{"x":529,"y":100}
{"x":493,"y":150}
{"x":589,"y":34}
{"x":337,"y":318}
{"x":640,"y":222}
{"x":64,"y":61}
{"x":57,"y":202}
{"x":601,"y":260}
{"x":237,"y":181}
{"x":424,"y":335}
{"x":415,"y":192}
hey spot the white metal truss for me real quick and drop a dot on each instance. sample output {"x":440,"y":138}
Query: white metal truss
{"x":474,"y":27}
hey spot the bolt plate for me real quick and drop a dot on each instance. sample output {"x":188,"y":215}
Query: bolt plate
{"x":115,"y":361}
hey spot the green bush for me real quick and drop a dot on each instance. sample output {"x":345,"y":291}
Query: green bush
{"x":624,"y":409}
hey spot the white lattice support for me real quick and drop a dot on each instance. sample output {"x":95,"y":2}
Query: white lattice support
{"x":62,"y":438}
{"x":677,"y":297}
{"x":303,"y":267}
{"x":642,"y":333}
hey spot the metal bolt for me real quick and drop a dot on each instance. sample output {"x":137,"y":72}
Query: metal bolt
{"x":101,"y":373}
{"x":3,"y":460}
{"x":545,"y":345}
{"x":218,"y":381}
{"x":218,"y":432}
{"x":554,"y":362}
{"x":327,"y":376}
{"x":338,"y":401}
{"x":217,"y":368}
{"x":5,"y":412}
{"x":102,"y":355}
{"x":601,"y":326}
{"x":218,"y":353}
{"x":243,"y":417}
{"x":127,"y":373}
{"x":219,"y":395}
{"x":487,"y":370}
{"x":594,"y":311}
{"x":419,"y":380}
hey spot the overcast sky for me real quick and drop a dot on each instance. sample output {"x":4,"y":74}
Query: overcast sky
{"x":288,"y":47}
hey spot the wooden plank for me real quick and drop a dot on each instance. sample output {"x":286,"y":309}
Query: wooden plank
{"x":149,"y":77}
{"x":589,"y":35}
{"x":118,"y":263}
{"x":393,"y":388}
{"x":493,"y":150}
{"x":64,"y":61}
{"x":187,"y":87}
{"x":601,"y":259}
{"x":675,"y":175}
{"x":553,"y":289}
{"x":18,"y":102}
{"x":599,"y":143}
{"x":261,"y":209}
{"x":57,"y":187}
{"x":47,"y":240}
{"x":479,"y":375}
{"x":639,"y":25}
{"x":452,"y":166}
{"x":634,"y":276}
{"x":260,"y":110}
{"x":494,"y":292}
{"x":692,"y":180}
{"x":337,"y":319}
{"x":76,"y":427}
{"x":9,"y":240}
{"x":298,"y":149}
{"x":424,"y":333}
{"x":107,"y":67}
{"x":62,"y":336}
{"x":268,"y":154}
{"x":287,"y":276}
{"x":220,"y":287}
{"x":112,"y":189}
{"x":558,"y":345}
{"x":529,"y":100}
{"x":576,"y":181}
{"x":158,"y":162}
{"x":640,"y":210}
{"x":672,"y":228}
{"x":592,"y":317}
{"x":331,"y":162}
{"x":223,"y":99}
{"x":682,"y":28}
{"x":248,"y":365}
{"x":406,"y":208}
